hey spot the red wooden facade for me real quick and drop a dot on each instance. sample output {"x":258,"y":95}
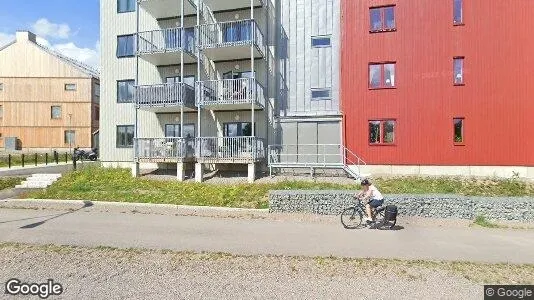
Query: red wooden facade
{"x":496,"y":101}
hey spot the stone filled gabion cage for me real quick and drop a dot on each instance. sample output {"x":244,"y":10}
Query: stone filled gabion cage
{"x":430,"y":206}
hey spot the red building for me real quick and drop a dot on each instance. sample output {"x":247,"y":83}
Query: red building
{"x":439,"y":83}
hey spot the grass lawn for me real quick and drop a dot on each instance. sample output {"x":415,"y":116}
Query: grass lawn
{"x":100,"y":184}
{"x":9,"y":182}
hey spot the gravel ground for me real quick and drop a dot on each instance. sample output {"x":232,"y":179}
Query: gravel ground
{"x":102,"y":273}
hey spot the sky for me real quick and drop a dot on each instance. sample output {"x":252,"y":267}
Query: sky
{"x":68,"y":26}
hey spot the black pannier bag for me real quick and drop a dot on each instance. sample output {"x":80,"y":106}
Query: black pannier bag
{"x":390,"y":213}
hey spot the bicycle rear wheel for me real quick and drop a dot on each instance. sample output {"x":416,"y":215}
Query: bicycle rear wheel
{"x":351,"y":218}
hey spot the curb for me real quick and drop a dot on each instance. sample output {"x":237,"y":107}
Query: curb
{"x":140,"y":208}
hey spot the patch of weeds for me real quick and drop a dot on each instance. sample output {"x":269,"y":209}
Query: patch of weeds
{"x":483,"y":222}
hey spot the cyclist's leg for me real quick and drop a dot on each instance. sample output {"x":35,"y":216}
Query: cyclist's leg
{"x":371,"y":207}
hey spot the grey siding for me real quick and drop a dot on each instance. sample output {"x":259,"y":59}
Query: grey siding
{"x":302,"y":67}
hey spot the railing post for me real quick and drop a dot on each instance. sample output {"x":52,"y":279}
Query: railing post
{"x":67,"y":157}
{"x":56,"y":157}
{"x":22,"y":160}
{"x":36,"y":159}
{"x":46,"y":158}
{"x":9,"y":160}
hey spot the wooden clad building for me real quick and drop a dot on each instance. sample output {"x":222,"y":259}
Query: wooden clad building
{"x":47,"y":101}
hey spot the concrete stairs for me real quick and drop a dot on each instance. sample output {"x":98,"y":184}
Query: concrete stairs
{"x":38,"y":181}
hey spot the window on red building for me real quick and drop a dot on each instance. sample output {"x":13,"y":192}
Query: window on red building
{"x":382,"y":132}
{"x":458,"y":130}
{"x":458,"y":65}
{"x":458,"y":12}
{"x":382,"y":18}
{"x":382,"y":75}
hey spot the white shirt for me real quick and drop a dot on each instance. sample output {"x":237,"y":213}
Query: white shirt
{"x":375,"y":193}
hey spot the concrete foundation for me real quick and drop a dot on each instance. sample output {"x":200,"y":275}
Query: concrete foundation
{"x":251,"y":173}
{"x":136,"y":171}
{"x":180,"y":171}
{"x":199,"y":172}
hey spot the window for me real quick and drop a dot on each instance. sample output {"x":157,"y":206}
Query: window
{"x":97,"y":90}
{"x":1,"y":86}
{"x":125,"y":45}
{"x":125,"y":136}
{"x":125,"y":91}
{"x":124,"y":6}
{"x":1,"y":111}
{"x":97,"y":114}
{"x":321,"y":94}
{"x":321,"y":41}
{"x":458,"y":130}
{"x":55,"y":112}
{"x":382,"y":132}
{"x":458,"y":65}
{"x":237,"y":129}
{"x":70,"y":137}
{"x":173,"y":130}
{"x":458,"y":18}
{"x":382,"y":75}
{"x":382,"y":19}
{"x":70,"y":87}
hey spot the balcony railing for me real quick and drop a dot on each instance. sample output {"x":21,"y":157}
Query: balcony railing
{"x":164,"y":149}
{"x":231,"y":91}
{"x":248,"y":149}
{"x":165,"y":95}
{"x":166,"y":40}
{"x":228,"y":34}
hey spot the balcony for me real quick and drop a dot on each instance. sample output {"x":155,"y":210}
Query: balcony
{"x":225,"y":5}
{"x":160,"y":9}
{"x":242,"y":150}
{"x":163,"y":47}
{"x":164,"y":149}
{"x":231,"y":40}
{"x":231,"y":94}
{"x":167,"y":97}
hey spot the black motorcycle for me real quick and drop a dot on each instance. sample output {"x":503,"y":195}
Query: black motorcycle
{"x":80,"y":154}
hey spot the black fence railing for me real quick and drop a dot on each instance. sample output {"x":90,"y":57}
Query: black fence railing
{"x":33,"y":159}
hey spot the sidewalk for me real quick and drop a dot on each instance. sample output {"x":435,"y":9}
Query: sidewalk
{"x":88,"y":225}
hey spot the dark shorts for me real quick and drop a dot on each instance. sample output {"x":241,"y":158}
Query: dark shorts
{"x":376,"y":203}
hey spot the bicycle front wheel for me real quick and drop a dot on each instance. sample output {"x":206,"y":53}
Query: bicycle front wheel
{"x":351,"y":218}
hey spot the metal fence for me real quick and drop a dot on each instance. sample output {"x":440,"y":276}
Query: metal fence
{"x":166,"y":40}
{"x":33,"y":159}
{"x":164,"y":95}
{"x":231,"y":91}
{"x":233,"y":33}
{"x":230,"y":148}
{"x":164,"y":148}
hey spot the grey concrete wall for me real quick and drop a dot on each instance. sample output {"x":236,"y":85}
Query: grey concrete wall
{"x":431,"y":206}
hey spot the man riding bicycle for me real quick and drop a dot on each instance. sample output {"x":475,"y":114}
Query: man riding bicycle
{"x":372,"y":198}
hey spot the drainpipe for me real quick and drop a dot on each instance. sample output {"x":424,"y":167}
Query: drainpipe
{"x":182,"y":42}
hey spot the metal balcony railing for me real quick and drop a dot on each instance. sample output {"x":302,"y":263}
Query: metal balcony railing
{"x":164,"y":95}
{"x":230,"y":148}
{"x":231,"y":91}
{"x":228,"y":34}
{"x":166,"y":40}
{"x":161,"y":149}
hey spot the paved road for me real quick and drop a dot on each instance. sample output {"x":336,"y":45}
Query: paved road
{"x":245,"y":236}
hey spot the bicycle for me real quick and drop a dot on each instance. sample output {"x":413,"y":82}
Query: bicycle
{"x":385,"y":217}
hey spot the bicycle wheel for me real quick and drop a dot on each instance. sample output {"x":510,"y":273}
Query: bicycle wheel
{"x":351,"y":218}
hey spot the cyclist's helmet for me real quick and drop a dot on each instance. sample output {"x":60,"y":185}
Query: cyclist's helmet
{"x":365,"y":182}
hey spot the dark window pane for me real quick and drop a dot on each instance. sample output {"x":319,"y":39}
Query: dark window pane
{"x":458,"y":71}
{"x":125,"y":136}
{"x":458,"y":130}
{"x":376,"y":19}
{"x":125,"y":6}
{"x":125,"y":45}
{"x":458,"y":12}
{"x":70,"y":137}
{"x":389,"y":132}
{"x":321,"y":94}
{"x":56,"y":112}
{"x":374,"y":76}
{"x":246,"y":129}
{"x":320,"y":41}
{"x":374,"y":132}
{"x":389,"y":17}
{"x":189,"y":131}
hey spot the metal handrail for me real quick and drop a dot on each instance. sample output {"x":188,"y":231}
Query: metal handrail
{"x":250,"y":148}
{"x":166,"y":40}
{"x":164,"y":148}
{"x":231,"y":91}
{"x":164,"y":95}
{"x":230,"y":33}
